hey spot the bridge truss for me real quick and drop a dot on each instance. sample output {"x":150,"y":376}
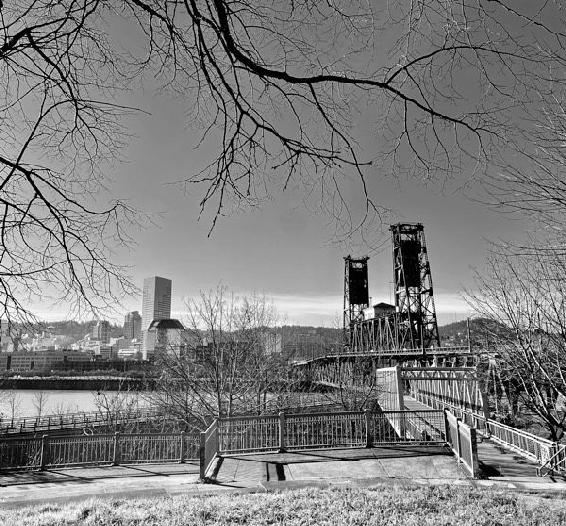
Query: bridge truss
{"x":458,"y":389}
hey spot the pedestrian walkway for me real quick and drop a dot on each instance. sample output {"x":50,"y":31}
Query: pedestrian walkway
{"x":64,"y":485}
{"x":422,"y":465}
{"x":495,"y":461}
{"x":401,"y":462}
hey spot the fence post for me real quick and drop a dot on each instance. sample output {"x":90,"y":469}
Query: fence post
{"x":459,"y":439}
{"x":116,"y":456}
{"x":281,"y":432}
{"x":202,"y":455}
{"x":369,"y":437}
{"x":182,"y":455}
{"x":474,"y":449}
{"x":446,"y":427}
{"x":43,"y":460}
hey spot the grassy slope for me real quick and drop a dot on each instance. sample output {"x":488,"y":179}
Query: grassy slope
{"x":407,"y":505}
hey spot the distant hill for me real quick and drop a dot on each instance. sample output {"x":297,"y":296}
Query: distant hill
{"x":482,"y":331}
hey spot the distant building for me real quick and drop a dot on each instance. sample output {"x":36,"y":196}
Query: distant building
{"x":168,"y":337}
{"x":271,"y":342}
{"x":106,"y":352}
{"x":40,"y":361}
{"x":120,"y":343}
{"x":101,"y":331}
{"x":132,"y":326}
{"x":379,"y":310}
{"x":156,"y":306}
{"x":129,"y":354}
{"x":9,"y":337}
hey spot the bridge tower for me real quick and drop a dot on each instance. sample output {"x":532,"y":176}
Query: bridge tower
{"x":414,"y":300}
{"x":356,"y":293}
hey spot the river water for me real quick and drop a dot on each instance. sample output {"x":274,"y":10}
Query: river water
{"x":31,"y":402}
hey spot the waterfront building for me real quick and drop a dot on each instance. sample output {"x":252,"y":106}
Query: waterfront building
{"x":40,"y":361}
{"x":132,"y":326}
{"x":156,"y":306}
{"x":101,"y":331}
{"x":168,"y":337}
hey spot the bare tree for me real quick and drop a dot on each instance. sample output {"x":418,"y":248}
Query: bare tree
{"x":12,"y":402}
{"x":58,"y":130}
{"x":288,"y":89}
{"x":288,"y":94}
{"x":228,"y":363}
{"x":524,"y":296}
{"x":40,"y":399}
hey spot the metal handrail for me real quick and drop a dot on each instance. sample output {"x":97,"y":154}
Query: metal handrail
{"x":551,"y":462}
{"x":521,"y":432}
{"x":48,"y":422}
{"x":65,"y":450}
{"x":464,"y":349}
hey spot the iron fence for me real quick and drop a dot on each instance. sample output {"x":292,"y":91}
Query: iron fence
{"x":73,"y":420}
{"x":324,"y":430}
{"x":117,"y":448}
{"x":327,"y":430}
{"x":248,"y":434}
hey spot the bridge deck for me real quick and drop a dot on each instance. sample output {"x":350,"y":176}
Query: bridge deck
{"x":414,"y":405}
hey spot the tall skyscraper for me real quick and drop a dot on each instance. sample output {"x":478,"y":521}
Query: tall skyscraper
{"x":156,"y":306}
{"x":132,"y":326}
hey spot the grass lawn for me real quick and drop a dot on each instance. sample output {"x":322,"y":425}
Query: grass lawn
{"x":387,"y":504}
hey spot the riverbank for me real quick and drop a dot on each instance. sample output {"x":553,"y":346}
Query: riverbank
{"x":77,"y":383}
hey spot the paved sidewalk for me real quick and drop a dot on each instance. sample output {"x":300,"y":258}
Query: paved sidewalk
{"x":63,"y":485}
{"x":255,"y":473}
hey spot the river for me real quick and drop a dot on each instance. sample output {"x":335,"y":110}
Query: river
{"x":30,"y":402}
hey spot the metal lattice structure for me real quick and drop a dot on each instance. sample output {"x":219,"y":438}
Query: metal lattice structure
{"x":457,"y":389}
{"x":356,"y":294}
{"x":414,"y":300}
{"x":384,"y":333}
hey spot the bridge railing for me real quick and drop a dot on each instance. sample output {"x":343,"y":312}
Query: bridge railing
{"x":556,"y":463}
{"x":117,"y":448}
{"x":463,"y":442}
{"x":526,"y":444}
{"x":209,"y":446}
{"x":401,"y":351}
{"x":72,"y":420}
{"x":468,"y":416}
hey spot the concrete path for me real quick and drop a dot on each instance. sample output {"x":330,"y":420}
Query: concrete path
{"x":64,"y":485}
{"x":256,"y":473}
{"x":400,"y":462}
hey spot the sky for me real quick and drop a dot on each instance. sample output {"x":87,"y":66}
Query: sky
{"x":281,"y":249}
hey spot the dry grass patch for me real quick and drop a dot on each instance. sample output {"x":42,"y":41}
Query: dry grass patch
{"x":387,"y":505}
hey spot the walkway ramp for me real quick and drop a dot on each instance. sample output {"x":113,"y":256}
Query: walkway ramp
{"x":495,"y":461}
{"x":414,"y":405}
{"x":387,"y":462}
